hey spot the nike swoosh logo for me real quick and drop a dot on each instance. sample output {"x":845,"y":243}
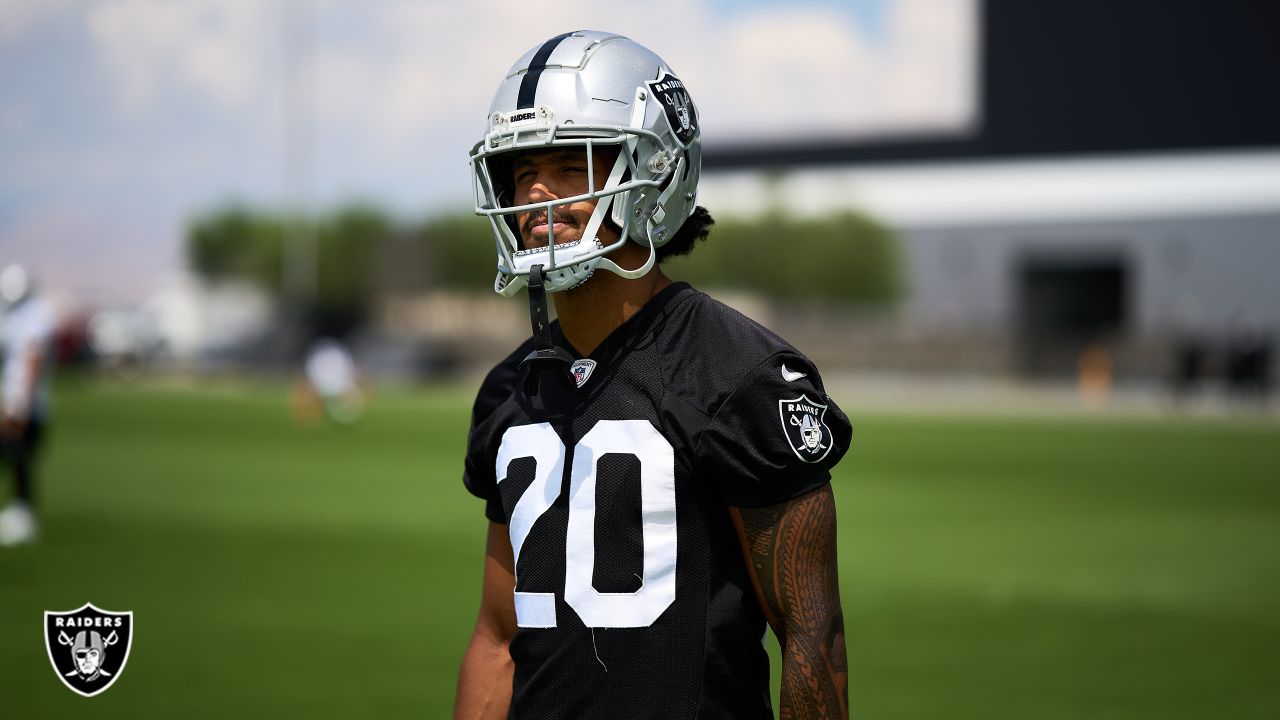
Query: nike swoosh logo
{"x":791,"y":376}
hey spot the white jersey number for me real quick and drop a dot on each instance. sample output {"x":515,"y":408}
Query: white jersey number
{"x":637,"y":438}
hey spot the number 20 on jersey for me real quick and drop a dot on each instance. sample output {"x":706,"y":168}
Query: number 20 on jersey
{"x":637,"y":438}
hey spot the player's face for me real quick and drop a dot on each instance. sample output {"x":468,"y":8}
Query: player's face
{"x":811,"y":437}
{"x":542,"y":175}
{"x":87,"y":660}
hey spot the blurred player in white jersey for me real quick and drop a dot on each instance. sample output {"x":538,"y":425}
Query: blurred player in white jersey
{"x":27,"y":331}
{"x":330,"y":386}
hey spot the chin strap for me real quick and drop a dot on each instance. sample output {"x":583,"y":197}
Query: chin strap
{"x":545,"y":356}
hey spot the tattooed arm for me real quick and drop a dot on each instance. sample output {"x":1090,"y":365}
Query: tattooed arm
{"x":790,"y":549}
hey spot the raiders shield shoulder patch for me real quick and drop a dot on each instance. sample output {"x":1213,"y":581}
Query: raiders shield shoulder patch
{"x":88,"y":647}
{"x":682,"y":116}
{"x":804,"y":427}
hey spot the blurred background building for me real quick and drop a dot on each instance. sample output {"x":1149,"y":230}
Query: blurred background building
{"x":1115,"y":186}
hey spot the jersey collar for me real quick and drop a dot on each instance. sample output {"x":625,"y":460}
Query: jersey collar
{"x":625,"y":336}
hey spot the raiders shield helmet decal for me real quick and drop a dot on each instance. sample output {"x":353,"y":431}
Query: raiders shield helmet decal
{"x":681,"y":114}
{"x":88,"y":647}
{"x":802,"y":422}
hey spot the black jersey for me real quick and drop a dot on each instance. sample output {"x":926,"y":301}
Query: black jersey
{"x":632,"y":596}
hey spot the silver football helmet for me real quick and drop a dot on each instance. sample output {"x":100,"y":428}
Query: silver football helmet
{"x":590,"y":89}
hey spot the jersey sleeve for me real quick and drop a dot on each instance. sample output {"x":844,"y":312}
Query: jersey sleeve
{"x":478,"y":473}
{"x":776,"y":437}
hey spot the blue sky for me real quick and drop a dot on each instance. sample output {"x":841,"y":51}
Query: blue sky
{"x":121,"y":119}
{"x":868,"y":13}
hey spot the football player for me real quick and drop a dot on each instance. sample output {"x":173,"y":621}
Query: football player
{"x":655,"y":466}
{"x":28,"y":329}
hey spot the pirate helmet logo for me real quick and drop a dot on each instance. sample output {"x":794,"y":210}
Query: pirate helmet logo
{"x":811,"y":432}
{"x":681,"y":102}
{"x":88,"y":647}
{"x":673,"y":97}
{"x":803,"y":425}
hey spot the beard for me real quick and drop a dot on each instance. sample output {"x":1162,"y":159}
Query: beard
{"x":536,"y":219}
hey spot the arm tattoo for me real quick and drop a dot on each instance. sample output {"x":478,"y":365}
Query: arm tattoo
{"x":791,"y":548}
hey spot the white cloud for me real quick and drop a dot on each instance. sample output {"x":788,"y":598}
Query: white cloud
{"x":394,"y":72}
{"x":433,"y":65}
{"x":213,"y":49}
{"x":19,"y":17}
{"x":931,"y":66}
{"x":796,"y":71}
{"x":782,"y":69}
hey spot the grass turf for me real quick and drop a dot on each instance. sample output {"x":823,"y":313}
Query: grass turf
{"x":990,"y":568}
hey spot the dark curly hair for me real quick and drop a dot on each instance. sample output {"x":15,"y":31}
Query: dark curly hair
{"x":696,"y":228}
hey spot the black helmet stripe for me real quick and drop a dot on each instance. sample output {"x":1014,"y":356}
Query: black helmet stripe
{"x":529,"y":84}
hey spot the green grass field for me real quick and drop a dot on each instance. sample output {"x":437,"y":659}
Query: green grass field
{"x":990,"y":568}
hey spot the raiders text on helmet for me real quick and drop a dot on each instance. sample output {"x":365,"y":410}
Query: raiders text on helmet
{"x":589,"y":89}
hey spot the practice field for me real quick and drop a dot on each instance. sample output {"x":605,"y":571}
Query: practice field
{"x":990,"y":568}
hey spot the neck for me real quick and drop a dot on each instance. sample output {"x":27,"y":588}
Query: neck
{"x":588,"y":314}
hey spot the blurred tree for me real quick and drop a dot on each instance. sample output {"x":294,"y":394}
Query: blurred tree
{"x":345,"y":243}
{"x":843,"y":257}
{"x":237,"y":242}
{"x":460,"y":251}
